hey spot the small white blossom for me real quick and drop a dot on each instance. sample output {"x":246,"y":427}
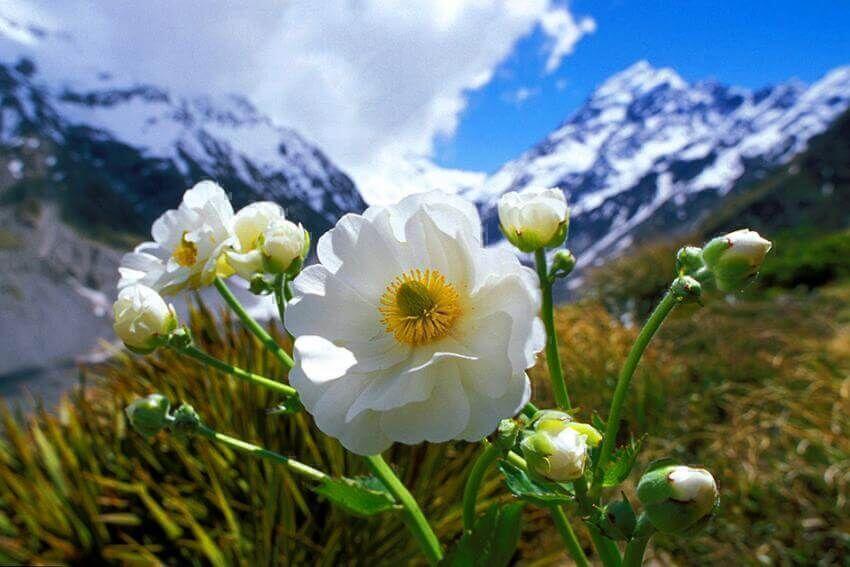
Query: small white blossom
{"x":284,"y":243}
{"x":568,"y":460}
{"x":142,"y":318}
{"x":267,"y":242}
{"x":187,"y":244}
{"x":536,"y":218}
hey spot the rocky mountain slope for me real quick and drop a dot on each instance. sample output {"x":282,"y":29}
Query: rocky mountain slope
{"x":649,"y":154}
{"x":123,"y":153}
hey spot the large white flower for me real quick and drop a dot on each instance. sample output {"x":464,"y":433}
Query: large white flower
{"x":187,"y":244}
{"x":410,"y":330}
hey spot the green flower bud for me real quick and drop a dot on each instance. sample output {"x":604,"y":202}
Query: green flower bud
{"x":678,"y":499}
{"x":563,"y":262}
{"x":507,"y":433}
{"x":617,"y":520}
{"x":557,"y":448}
{"x":148,"y":415}
{"x":534,"y":219}
{"x":688,"y":260}
{"x":186,"y":421}
{"x":735,"y":258}
{"x":686,"y":288}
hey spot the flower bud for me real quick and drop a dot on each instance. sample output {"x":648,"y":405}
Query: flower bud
{"x":535,"y":218}
{"x":617,"y":520}
{"x":735,"y":258}
{"x":688,"y":260}
{"x":285,"y":246}
{"x":678,"y":499}
{"x":142,"y":318}
{"x":186,"y":421}
{"x":686,"y":288}
{"x":148,"y":415}
{"x":557,"y":448}
{"x":563,"y":262}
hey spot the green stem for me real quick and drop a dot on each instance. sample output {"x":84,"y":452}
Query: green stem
{"x":609,"y":439}
{"x":279,"y":298}
{"x":249,"y":377}
{"x":414,"y":518}
{"x":486,"y":458}
{"x":252,"y":324}
{"x":553,"y":359}
{"x":637,"y":545}
{"x":529,"y":410}
{"x":607,"y":549}
{"x":293,"y":465}
{"x":569,"y":536}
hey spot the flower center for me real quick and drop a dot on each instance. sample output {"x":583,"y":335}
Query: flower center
{"x":420,"y":307}
{"x":186,"y":253}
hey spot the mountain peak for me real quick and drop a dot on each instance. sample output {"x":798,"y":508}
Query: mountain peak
{"x":638,"y":79}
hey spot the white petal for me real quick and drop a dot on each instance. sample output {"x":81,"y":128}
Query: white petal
{"x":443,"y":416}
{"x":320,"y":359}
{"x":486,"y":413}
{"x":428,"y":246}
{"x":488,"y":338}
{"x":324,"y":305}
{"x":453,"y":214}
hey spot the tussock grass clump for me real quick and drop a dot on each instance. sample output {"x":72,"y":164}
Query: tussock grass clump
{"x":759,"y":394}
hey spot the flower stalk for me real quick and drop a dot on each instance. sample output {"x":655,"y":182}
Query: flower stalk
{"x":414,"y":518}
{"x":637,"y":545}
{"x":250,"y":377}
{"x":252,"y":325}
{"x":491,"y":453}
{"x":553,"y":358}
{"x":668,"y":302}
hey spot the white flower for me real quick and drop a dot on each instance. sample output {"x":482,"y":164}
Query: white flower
{"x":266,"y":240}
{"x":187,"y":244}
{"x":409,"y":330}
{"x":142,"y":318}
{"x":688,"y":484}
{"x":535,"y":218}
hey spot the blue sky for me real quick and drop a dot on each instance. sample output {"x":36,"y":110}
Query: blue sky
{"x":750,"y":43}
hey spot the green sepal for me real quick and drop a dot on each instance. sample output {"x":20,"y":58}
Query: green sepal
{"x":532,"y":489}
{"x":493,"y":540}
{"x":360,"y":496}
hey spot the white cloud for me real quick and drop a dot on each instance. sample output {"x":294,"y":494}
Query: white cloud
{"x":368,"y":80}
{"x":564,"y":32}
{"x":520,"y":95}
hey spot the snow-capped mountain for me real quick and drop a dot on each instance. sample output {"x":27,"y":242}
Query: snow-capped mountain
{"x":137,"y":147}
{"x":648,"y":153}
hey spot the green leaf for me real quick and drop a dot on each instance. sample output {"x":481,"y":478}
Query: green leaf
{"x":539,"y":492}
{"x":493,"y":540}
{"x":621,"y":463}
{"x":361,"y":496}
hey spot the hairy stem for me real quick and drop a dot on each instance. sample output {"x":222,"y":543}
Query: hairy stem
{"x":568,"y":535}
{"x":414,"y":518}
{"x":553,"y":359}
{"x":251,"y":324}
{"x":668,"y":302}
{"x":637,"y":545}
{"x":249,"y":377}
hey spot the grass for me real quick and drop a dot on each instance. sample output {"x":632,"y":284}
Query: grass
{"x":757,"y":391}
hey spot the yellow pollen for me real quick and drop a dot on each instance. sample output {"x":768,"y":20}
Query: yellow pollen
{"x":420,"y":307}
{"x":186,"y":253}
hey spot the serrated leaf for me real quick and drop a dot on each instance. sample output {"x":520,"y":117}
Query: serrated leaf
{"x":493,"y":540}
{"x":621,"y":464}
{"x":532,"y":490}
{"x":361,"y":496}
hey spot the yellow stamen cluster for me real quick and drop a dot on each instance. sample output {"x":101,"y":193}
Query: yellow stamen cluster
{"x":186,"y":253}
{"x":420,"y":307}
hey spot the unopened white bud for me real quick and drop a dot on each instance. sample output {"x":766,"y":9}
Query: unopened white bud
{"x":534,"y":219}
{"x":285,"y":243}
{"x":142,"y":318}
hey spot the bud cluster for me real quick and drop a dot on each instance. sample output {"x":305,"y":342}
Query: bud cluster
{"x":150,"y":415}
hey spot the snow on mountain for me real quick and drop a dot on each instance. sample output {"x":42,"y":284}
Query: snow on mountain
{"x":648,"y":153}
{"x":148,"y":144}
